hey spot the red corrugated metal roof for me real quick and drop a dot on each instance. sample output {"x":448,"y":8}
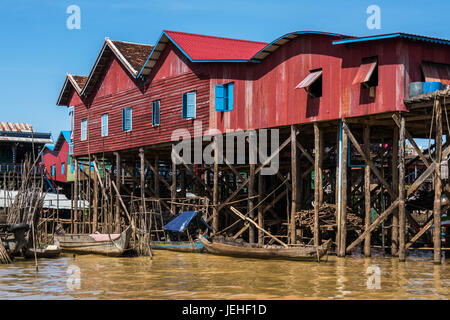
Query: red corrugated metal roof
{"x":365,"y":71}
{"x":201,"y":47}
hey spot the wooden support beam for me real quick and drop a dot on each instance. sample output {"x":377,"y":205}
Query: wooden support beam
{"x":142,"y":182}
{"x":394,"y":230}
{"x":130,"y":220}
{"x":95,"y":203}
{"x":240,"y":215}
{"x":342,"y":221}
{"x":368,"y":160}
{"x":437,"y":185}
{"x":250,"y":204}
{"x":260,"y":210}
{"x":367,"y":207}
{"x":401,"y":193}
{"x":216,"y":209}
{"x":75,"y":192}
{"x":411,"y":140}
{"x":374,"y":225}
{"x":173,"y":188}
{"x":420,"y":233}
{"x":295,"y":166}
{"x":118,"y":183}
{"x":317,"y":178}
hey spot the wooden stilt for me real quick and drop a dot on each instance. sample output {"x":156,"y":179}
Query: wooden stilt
{"x":394,"y":233}
{"x":173,"y":188}
{"x":294,"y":181}
{"x":367,"y":206}
{"x":251,"y":193}
{"x":437,"y":186}
{"x":142,"y":181}
{"x":401,"y":193}
{"x":215,"y":223}
{"x":260,"y":210}
{"x":118,"y":184}
{"x":75,"y":192}
{"x":317,"y":178}
{"x":95,"y":202}
{"x":343,"y":192}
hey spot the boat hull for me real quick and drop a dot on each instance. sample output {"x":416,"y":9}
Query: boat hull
{"x":179,"y":246}
{"x":85,"y":244}
{"x":266,"y":252}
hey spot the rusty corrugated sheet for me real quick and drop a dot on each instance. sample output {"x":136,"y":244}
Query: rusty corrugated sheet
{"x":365,"y":71}
{"x":436,"y":72}
{"x":15,"y":127}
{"x":309,"y":80}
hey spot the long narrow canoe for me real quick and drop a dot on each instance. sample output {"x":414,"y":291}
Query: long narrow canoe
{"x":109,"y":244}
{"x":52,"y":251}
{"x":180,"y":246}
{"x":228,"y":247}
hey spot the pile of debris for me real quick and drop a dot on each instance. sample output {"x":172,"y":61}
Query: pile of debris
{"x":327,"y":219}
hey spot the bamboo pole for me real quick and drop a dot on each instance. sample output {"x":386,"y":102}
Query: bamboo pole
{"x":75,"y":212}
{"x":260,"y":210}
{"x":95,"y":201}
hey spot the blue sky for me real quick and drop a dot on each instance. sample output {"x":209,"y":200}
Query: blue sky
{"x":38,"y":50}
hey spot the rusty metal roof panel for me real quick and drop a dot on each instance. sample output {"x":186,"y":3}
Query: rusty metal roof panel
{"x":309,"y":80}
{"x":365,"y":71}
{"x":15,"y":127}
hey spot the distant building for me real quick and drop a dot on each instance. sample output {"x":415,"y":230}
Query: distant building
{"x":57,"y":159}
{"x":17,"y":141}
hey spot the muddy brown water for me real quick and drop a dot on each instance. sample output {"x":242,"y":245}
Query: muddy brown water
{"x":172,"y":275}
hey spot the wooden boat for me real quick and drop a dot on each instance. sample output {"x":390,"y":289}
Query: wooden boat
{"x":113,"y":244}
{"x":180,"y":246}
{"x":234,"y":248}
{"x":51,"y":251}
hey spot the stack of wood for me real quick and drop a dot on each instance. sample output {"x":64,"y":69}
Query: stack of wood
{"x":4,"y":256}
{"x":327,"y":218}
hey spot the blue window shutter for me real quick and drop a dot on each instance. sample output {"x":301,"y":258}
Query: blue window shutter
{"x":158,"y":112}
{"x":126,"y":119}
{"x":62,"y":168}
{"x":104,"y":125}
{"x":184,"y":107}
{"x":230,"y":96}
{"x":153,"y":112}
{"x":72,"y":168}
{"x":220,"y":97}
{"x":53,"y":170}
{"x":191,"y":105}
{"x":123,"y":120}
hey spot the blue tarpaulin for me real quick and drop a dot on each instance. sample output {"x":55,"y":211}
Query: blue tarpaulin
{"x":181,"y":222}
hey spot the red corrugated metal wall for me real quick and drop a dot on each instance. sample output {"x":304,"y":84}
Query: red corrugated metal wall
{"x":118,"y":91}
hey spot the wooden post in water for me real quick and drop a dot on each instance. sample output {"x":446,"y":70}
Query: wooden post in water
{"x":294,"y":182}
{"x":118,"y":183}
{"x":260,"y":210}
{"x":251,"y":193}
{"x":95,"y":202}
{"x":173,"y":188}
{"x":394,"y":233}
{"x":437,"y":186}
{"x":401,"y":192}
{"x":215,"y":220}
{"x":317,"y":178}
{"x":75,"y":196}
{"x":343,"y":192}
{"x":367,"y":206}
{"x":142,"y":175}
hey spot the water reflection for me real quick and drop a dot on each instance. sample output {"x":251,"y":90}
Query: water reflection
{"x":198,"y":276}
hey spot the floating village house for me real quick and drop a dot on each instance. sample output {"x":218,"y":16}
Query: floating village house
{"x":331,"y":97}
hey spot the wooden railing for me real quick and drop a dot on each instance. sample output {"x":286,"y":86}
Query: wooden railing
{"x":17,"y":168}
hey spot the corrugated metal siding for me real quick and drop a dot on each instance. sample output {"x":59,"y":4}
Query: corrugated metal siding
{"x":114,"y":95}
